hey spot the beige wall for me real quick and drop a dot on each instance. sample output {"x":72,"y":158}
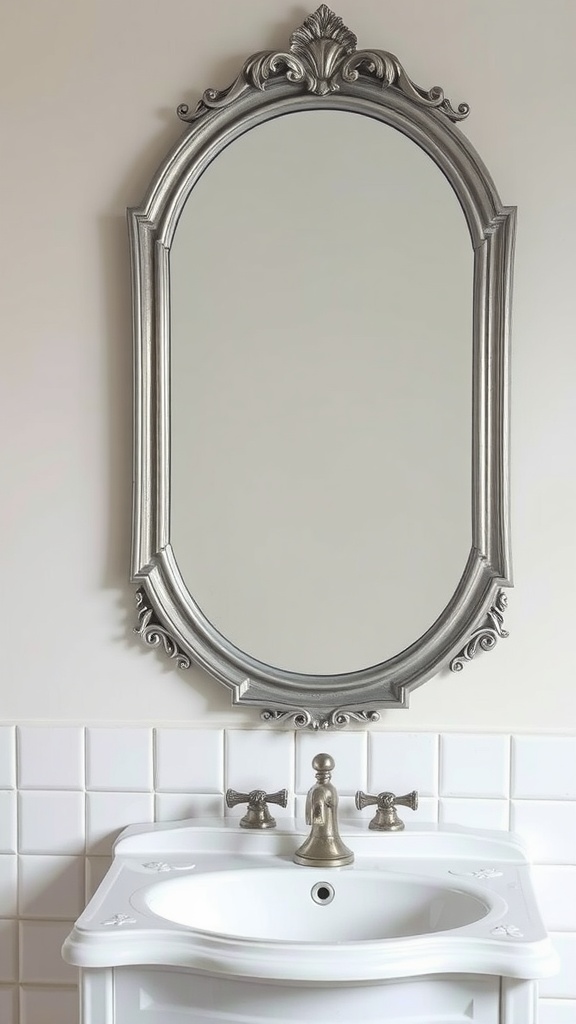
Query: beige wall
{"x":87,"y":104}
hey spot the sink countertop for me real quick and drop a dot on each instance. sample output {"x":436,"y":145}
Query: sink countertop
{"x":119,"y":928}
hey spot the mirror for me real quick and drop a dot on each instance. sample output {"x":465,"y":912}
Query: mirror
{"x":321,"y":275}
{"x":320,"y":419}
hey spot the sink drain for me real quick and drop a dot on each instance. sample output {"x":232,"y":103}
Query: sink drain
{"x":322,"y":893}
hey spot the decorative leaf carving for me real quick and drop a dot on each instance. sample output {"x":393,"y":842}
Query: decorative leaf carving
{"x":152,"y":633}
{"x":118,"y":920}
{"x":321,"y":57}
{"x":510,"y":931}
{"x":485,"y":637}
{"x":302,"y":719}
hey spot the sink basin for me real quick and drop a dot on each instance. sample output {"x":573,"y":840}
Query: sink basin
{"x":298,"y":905}
{"x":219,"y":900}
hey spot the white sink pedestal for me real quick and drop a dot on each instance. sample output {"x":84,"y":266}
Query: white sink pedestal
{"x":204,"y":923}
{"x":156,"y":995}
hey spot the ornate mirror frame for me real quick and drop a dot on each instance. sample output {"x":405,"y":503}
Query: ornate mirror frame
{"x":322,"y":69}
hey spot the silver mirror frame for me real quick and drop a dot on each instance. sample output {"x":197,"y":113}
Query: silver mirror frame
{"x":322,"y":70}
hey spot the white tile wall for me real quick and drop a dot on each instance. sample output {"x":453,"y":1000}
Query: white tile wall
{"x":7,"y":757}
{"x":8,"y":886}
{"x":189,"y":760}
{"x":107,"y":813}
{"x":549,"y":827}
{"x":392,"y":757}
{"x":477,"y":813}
{"x":8,"y":840}
{"x":50,"y":758}
{"x":477,"y":766}
{"x":544,"y":767}
{"x":8,"y":954}
{"x":65,"y":793}
{"x":119,"y":759}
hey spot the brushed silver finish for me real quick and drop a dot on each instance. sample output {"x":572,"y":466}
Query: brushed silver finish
{"x":323,"y":848}
{"x":321,"y":57}
{"x":486,"y":636}
{"x":258,"y":814}
{"x":321,"y":70}
{"x":386,"y":818}
{"x":300,"y":718}
{"x":152,"y":632}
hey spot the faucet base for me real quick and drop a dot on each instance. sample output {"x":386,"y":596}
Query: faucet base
{"x":324,"y":852}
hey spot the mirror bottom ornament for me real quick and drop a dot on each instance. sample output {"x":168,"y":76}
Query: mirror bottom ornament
{"x":302,"y":719}
{"x":486,"y":636}
{"x":153,"y":634}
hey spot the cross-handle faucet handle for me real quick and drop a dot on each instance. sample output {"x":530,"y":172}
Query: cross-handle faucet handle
{"x":386,"y":818}
{"x":257,"y":815}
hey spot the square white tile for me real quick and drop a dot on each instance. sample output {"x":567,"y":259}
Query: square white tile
{"x":40,"y":958}
{"x":178,"y":806}
{"x":350,"y":752}
{"x":562,"y":985}
{"x":7,"y":757}
{"x":8,"y":1004}
{"x":8,"y":951}
{"x":49,"y":1006}
{"x":51,"y":822}
{"x":474,"y":764}
{"x":399,"y":762}
{"x":189,"y":760}
{"x":259,"y":759}
{"x":7,"y":821}
{"x":425,"y":813}
{"x":549,"y":828}
{"x":51,"y":887}
{"x":544,"y":767}
{"x":556,"y":893}
{"x":556,"y":1011}
{"x":474,"y":813}
{"x":50,"y":757}
{"x":119,"y":759}
{"x":8,"y":886}
{"x":108,"y":813}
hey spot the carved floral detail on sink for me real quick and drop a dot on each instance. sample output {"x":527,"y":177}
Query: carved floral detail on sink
{"x":508,"y":930}
{"x":159,"y":866}
{"x":482,"y":875}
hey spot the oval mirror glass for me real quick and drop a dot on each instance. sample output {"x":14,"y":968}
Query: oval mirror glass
{"x":321,"y":280}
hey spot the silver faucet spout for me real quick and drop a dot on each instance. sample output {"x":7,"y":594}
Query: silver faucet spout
{"x":323,"y":848}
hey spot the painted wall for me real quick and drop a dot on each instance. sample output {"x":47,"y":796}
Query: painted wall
{"x":88,"y":98}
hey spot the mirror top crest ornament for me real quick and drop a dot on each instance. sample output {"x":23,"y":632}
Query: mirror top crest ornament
{"x":322,"y":66}
{"x":323,"y":56}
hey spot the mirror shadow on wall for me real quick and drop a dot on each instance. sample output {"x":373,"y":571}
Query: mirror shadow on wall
{"x":321,"y":284}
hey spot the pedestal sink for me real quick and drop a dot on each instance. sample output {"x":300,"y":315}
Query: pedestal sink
{"x":194,"y":917}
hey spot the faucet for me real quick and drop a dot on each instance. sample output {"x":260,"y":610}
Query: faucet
{"x":323,"y":848}
{"x":386,"y":818}
{"x":257,"y":815}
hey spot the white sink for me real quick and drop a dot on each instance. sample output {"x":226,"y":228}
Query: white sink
{"x":306,"y":906}
{"x":217,"y":899}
